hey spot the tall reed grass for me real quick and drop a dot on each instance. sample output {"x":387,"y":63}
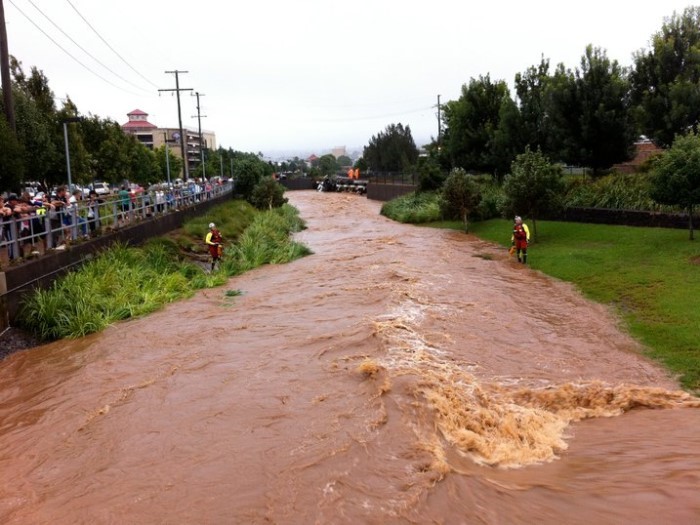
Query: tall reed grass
{"x":125,"y":282}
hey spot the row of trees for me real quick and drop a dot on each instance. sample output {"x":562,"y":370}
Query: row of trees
{"x":589,"y":116}
{"x":535,"y":185}
{"x":99,"y":149}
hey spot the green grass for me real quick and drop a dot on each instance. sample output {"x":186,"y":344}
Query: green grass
{"x":651,"y":276}
{"x":125,"y":282}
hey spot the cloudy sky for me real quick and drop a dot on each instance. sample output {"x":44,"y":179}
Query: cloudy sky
{"x":307,"y":75}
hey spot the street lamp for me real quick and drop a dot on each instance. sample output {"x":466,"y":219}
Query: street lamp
{"x":65,"y":122}
{"x":167,"y":157}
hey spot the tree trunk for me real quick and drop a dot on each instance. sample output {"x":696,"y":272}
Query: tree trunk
{"x":690,"y":222}
{"x":534,"y":229}
{"x":466,"y":224}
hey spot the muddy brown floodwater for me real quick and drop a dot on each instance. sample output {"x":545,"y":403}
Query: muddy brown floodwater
{"x":397,"y":375}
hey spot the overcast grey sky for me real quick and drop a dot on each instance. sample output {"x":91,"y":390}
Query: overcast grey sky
{"x":308,"y":75}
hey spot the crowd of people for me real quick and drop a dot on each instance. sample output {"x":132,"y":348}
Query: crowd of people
{"x":30,"y":225}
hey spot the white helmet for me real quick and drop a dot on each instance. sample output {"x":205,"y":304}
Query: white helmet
{"x":212,"y":225}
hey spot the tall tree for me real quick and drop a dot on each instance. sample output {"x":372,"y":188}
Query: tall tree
{"x":530,"y":88}
{"x":509,"y":138}
{"x":676,"y":176}
{"x":328,"y":165}
{"x":247,"y":172}
{"x":173,"y":162}
{"x":665,"y":81}
{"x":589,"y":112}
{"x":471,"y":122}
{"x":11,"y":158}
{"x":392,"y":149}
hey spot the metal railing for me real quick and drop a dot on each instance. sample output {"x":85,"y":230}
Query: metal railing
{"x":45,"y":229}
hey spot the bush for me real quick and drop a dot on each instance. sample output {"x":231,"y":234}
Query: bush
{"x":414,"y":208}
{"x":460,"y":196}
{"x":267,"y":194}
{"x":620,"y":192}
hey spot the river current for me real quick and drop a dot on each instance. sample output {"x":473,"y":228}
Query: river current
{"x":399,"y":374}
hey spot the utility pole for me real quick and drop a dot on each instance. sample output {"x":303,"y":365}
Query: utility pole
{"x":201,"y":147}
{"x":5,"y":72}
{"x":177,"y":90}
{"x":439,"y":126}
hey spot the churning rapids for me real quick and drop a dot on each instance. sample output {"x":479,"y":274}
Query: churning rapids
{"x":398,"y":375}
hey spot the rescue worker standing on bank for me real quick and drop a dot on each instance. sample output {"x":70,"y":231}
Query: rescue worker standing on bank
{"x":214,"y":240}
{"x":520,"y":239}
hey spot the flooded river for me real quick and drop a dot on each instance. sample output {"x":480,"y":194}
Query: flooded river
{"x":397,"y":375}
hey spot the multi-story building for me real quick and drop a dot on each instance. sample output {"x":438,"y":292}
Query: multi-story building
{"x":154,"y":137}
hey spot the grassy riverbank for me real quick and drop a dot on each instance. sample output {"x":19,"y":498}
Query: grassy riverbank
{"x":125,"y":282}
{"x":651,"y":276}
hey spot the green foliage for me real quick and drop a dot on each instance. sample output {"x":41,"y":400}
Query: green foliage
{"x":122,"y":282}
{"x":589,"y":114}
{"x":362,"y":165}
{"x":533,"y":187}
{"x":415,"y":208}
{"x":676,"y":175}
{"x":649,"y":274}
{"x":12,"y":167}
{"x":508,"y":137}
{"x":344,"y":161}
{"x":664,"y":82}
{"x":430,"y":176}
{"x":248,"y":172}
{"x":391,"y":150}
{"x":125,"y":282}
{"x":471,"y":123}
{"x":493,"y":200}
{"x":36,"y":133}
{"x":231,"y":219}
{"x":327,"y":165}
{"x":530,"y":88}
{"x":460,"y":195}
{"x":622,"y":192}
{"x":173,"y":161}
{"x":266,"y":241}
{"x":268,"y":194}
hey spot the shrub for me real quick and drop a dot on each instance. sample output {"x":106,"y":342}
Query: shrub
{"x":415,"y":208}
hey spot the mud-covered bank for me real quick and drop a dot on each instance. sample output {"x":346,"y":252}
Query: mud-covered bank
{"x":14,"y":339}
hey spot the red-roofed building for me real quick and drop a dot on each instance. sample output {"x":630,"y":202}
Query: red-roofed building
{"x":139,"y":126}
{"x":643,"y":150}
{"x":153,"y":137}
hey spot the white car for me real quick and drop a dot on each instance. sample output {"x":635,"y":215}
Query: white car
{"x":102,"y":188}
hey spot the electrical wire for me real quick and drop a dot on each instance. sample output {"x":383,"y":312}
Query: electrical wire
{"x":109,"y":46}
{"x":85,"y":50}
{"x":68,"y":53}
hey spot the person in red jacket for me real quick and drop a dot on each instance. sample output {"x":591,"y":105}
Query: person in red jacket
{"x":214,"y":242}
{"x":520,"y":239}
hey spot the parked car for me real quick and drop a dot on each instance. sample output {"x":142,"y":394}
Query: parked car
{"x":101,"y":188}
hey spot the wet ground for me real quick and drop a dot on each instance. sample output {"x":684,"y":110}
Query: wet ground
{"x":13,"y":339}
{"x":397,"y":375}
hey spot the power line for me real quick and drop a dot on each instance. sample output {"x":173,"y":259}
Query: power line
{"x":68,"y":53}
{"x":85,"y":50}
{"x":109,"y":46}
